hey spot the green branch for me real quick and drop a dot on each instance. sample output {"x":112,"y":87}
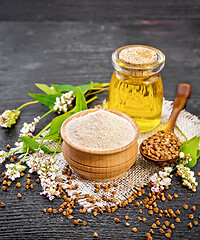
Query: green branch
{"x":44,"y":129}
{"x":46,"y":114}
{"x":57,"y":147}
{"x":182,"y":133}
{"x":26,"y":104}
{"x":91,"y":99}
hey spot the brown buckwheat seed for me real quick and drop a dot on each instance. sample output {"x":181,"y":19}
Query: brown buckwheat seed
{"x":193,"y":208}
{"x":116,"y":220}
{"x":195,"y":223}
{"x":134,"y":229}
{"x":189,"y":225}
{"x":191,"y":216}
{"x":2,"y":204}
{"x":19,"y":195}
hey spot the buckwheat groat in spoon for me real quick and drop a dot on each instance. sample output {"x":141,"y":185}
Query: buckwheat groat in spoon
{"x":164,"y":146}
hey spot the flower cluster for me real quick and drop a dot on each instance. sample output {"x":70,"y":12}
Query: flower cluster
{"x":8,"y":118}
{"x":64,"y":103}
{"x":29,"y":128}
{"x":184,"y":159}
{"x":104,"y":105}
{"x":161,"y":179}
{"x":13,"y":170}
{"x":187,"y":175}
{"x":45,"y":167}
{"x":3,"y":155}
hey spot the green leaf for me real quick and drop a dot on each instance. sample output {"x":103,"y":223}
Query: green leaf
{"x":64,"y":88}
{"x":99,"y":85}
{"x":56,"y":125}
{"x":28,"y":143}
{"x":47,"y":100}
{"x":191,"y":147}
{"x":198,"y":153}
{"x":84,"y":88}
{"x":58,"y":121}
{"x":67,"y":88}
{"x":57,"y":90}
{"x":31,"y":144}
{"x":45,"y":88}
{"x":80,"y":101}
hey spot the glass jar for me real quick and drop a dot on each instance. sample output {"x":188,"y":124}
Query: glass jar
{"x":137,"y":90}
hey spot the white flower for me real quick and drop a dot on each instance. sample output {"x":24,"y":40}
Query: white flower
{"x":182,"y":154}
{"x":13,"y":170}
{"x":161,"y":179}
{"x":69,"y":101}
{"x":63,"y":104}
{"x":37,"y":119}
{"x":58,"y":100}
{"x":47,"y":173}
{"x":40,"y":152}
{"x":163,"y":174}
{"x":168,"y":169}
{"x":188,"y":178}
{"x":19,"y":144}
{"x":3,"y":155}
{"x":8,"y":118}
{"x":154,"y":177}
{"x":62,"y":100}
{"x":68,"y":95}
{"x":28,"y":129}
{"x":65,"y":108}
{"x":165,"y":181}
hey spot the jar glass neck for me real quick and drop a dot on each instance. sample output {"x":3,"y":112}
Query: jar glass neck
{"x":132,"y":79}
{"x":138,"y":71}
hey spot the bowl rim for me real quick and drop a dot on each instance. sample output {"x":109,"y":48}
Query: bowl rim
{"x":100,"y":152}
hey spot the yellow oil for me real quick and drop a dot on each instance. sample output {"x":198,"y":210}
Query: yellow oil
{"x":140,"y":98}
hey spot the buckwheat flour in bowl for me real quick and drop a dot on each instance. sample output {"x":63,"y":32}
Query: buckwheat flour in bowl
{"x":100,"y":145}
{"x":100,"y":130}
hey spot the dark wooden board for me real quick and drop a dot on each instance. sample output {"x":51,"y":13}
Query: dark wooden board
{"x":98,"y":10}
{"x":81,"y":52}
{"x":76,"y":52}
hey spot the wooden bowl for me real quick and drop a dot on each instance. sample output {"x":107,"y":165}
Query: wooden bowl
{"x":102,"y":165}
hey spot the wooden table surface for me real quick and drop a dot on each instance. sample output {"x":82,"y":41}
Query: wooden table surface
{"x":71,"y":42}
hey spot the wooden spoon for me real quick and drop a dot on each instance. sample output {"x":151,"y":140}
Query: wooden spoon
{"x":167,"y":135}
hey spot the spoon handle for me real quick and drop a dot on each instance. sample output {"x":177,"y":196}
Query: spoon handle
{"x":183,"y":93}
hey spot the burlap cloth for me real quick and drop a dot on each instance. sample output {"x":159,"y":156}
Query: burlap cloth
{"x":138,"y":175}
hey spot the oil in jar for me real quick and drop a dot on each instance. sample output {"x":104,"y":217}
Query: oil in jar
{"x":140,"y":98}
{"x":136,"y":86}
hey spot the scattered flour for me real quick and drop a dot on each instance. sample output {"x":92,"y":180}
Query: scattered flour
{"x":100,"y":130}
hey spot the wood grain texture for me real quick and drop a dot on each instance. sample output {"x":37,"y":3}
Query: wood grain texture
{"x":94,"y":10}
{"x":76,"y":52}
